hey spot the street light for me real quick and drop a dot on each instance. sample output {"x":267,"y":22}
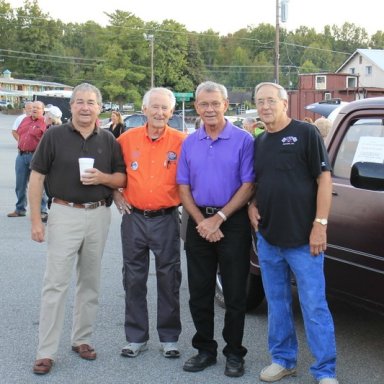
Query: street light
{"x":151,"y":39}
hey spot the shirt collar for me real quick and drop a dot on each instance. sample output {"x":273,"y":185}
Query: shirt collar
{"x":225,"y":134}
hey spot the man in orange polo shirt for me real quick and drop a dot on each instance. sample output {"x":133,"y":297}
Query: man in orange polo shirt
{"x":151,"y":222}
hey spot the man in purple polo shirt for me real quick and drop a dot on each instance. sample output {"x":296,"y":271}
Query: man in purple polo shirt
{"x":216,"y":180}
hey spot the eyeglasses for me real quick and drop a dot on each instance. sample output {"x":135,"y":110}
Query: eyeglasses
{"x":269,"y":102}
{"x":214,"y":105}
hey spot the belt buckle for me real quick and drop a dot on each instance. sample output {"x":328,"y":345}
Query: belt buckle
{"x":210,"y":210}
{"x":90,"y":205}
{"x":147,"y":213}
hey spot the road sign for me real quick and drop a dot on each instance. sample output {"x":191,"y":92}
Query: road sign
{"x":186,"y":96}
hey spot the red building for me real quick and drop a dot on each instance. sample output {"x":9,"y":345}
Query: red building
{"x":315,"y":87}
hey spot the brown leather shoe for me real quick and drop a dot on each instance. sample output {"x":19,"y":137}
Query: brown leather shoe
{"x":85,"y":351}
{"x":16,"y":214}
{"x":42,"y":366}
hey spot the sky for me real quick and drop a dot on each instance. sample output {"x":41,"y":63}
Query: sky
{"x":223,"y":17}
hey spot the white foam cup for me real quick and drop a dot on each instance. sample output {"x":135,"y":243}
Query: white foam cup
{"x":85,"y":163}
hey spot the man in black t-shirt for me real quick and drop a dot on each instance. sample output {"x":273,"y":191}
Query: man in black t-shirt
{"x":289,"y":213}
{"x":78,"y":222}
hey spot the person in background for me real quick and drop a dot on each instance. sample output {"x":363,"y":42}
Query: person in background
{"x":79,"y":221}
{"x":150,"y":221}
{"x":289,"y":213}
{"x":28,"y":134}
{"x":117,"y":124}
{"x":27,"y":111}
{"x":214,"y":190}
{"x":323,"y":125}
{"x":249,"y":124}
{"x":260,"y":128}
{"x":198,"y":122}
{"x":52,"y":116}
{"x":308,"y":120}
{"x":253,"y":126}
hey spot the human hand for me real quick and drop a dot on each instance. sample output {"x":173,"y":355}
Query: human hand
{"x":38,"y":231}
{"x":209,"y":226}
{"x":121,"y":204}
{"x":254,"y":216}
{"x":318,"y":239}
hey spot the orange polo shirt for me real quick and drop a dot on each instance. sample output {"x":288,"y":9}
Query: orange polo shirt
{"x":151,"y":167}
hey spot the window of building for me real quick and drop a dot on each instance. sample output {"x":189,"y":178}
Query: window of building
{"x":321,"y":82}
{"x":351,"y":82}
{"x":352,"y":70}
{"x":368,"y":70}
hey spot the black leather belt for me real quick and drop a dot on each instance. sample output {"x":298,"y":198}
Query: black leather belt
{"x":92,"y":205}
{"x":149,"y":214}
{"x":209,"y":210}
{"x":26,"y":152}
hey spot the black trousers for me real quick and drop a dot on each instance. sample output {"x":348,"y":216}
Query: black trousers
{"x":231,"y":255}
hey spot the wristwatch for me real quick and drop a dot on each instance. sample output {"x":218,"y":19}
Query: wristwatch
{"x":321,"y":221}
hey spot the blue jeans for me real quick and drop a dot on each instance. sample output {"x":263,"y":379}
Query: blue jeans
{"x":22,"y":177}
{"x":276,"y":264}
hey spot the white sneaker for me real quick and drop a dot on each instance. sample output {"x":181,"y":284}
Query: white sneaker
{"x":275,"y":372}
{"x":170,"y":350}
{"x":328,"y":380}
{"x":133,"y":349}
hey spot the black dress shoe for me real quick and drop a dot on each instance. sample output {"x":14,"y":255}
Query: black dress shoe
{"x":234,"y":366}
{"x":199,"y":362}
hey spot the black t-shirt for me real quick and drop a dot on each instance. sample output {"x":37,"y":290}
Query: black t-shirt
{"x":287,"y":164}
{"x":57,"y":157}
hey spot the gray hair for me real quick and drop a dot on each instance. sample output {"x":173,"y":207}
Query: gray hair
{"x":324,"y":125}
{"x":282,"y":92}
{"x":210,"y":86}
{"x":86,"y":87}
{"x":165,"y":91}
{"x":250,"y":120}
{"x":55,"y":120}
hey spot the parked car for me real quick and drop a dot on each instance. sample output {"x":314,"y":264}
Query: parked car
{"x":326,"y":107}
{"x":138,"y":119}
{"x":5,"y":104}
{"x":354,"y":259}
{"x":109,"y":106}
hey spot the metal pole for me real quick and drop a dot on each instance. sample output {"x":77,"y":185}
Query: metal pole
{"x":277,"y":43}
{"x":151,"y":39}
{"x":152,"y":70}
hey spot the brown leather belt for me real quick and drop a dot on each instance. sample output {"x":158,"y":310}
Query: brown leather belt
{"x":26,"y":152}
{"x":92,"y":205}
{"x":159,"y":212}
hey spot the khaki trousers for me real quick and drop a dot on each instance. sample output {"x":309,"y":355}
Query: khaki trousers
{"x":75,"y":237}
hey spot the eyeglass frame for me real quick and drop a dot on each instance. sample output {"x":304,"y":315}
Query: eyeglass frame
{"x":214,"y":105}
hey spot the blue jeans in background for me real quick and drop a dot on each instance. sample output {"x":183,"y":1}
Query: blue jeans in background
{"x":276,"y":264}
{"x":22,"y":177}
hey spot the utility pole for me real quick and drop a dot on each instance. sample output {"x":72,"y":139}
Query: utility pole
{"x":151,"y":39}
{"x":277,"y":43}
{"x":281,"y":14}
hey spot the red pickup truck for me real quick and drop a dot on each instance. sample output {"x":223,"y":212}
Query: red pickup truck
{"x":354,"y":265}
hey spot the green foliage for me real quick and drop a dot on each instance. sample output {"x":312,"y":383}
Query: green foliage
{"x":117,"y":57}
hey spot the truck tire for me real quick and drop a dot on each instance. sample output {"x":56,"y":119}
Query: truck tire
{"x":254,"y":291}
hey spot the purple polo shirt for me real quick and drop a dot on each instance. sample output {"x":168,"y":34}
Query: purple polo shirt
{"x":215,"y":170}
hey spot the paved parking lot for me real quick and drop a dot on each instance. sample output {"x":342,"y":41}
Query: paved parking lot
{"x":360,"y":334}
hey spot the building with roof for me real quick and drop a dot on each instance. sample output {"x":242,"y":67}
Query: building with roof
{"x":361,"y":76}
{"x":18,"y":90}
{"x":368,"y":64}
